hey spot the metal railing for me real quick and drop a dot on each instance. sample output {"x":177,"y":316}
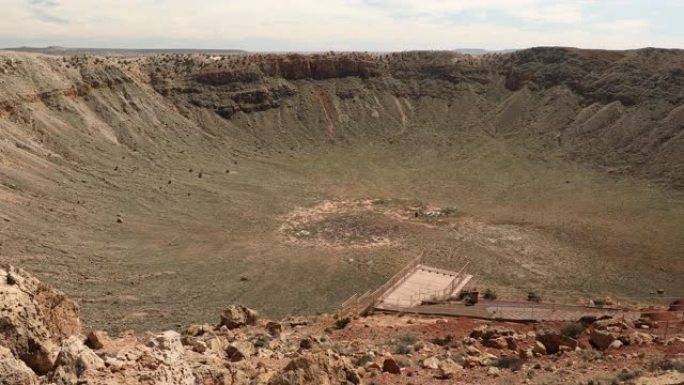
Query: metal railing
{"x":439,"y":295}
{"x":360,"y":304}
{"x":533,"y":311}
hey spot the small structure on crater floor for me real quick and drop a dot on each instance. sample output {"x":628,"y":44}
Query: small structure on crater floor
{"x":413,"y":285}
{"x":435,"y":213}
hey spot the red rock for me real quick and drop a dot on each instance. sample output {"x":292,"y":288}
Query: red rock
{"x":391,"y":366}
{"x":677,"y":305}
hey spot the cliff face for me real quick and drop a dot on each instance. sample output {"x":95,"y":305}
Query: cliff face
{"x":643,"y":76}
{"x":619,"y":110}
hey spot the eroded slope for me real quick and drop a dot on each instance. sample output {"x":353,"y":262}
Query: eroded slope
{"x":142,"y":185}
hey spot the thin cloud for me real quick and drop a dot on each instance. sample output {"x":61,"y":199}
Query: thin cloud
{"x":44,"y":10}
{"x":48,"y":3}
{"x":378,"y":25}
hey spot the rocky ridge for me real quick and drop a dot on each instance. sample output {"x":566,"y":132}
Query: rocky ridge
{"x":39,"y":322}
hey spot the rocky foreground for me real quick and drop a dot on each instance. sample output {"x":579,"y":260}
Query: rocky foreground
{"x":42,"y":342}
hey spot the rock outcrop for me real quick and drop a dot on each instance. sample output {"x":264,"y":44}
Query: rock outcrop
{"x":236,"y":316}
{"x":298,"y":352}
{"x":554,"y":340}
{"x":34,"y":318}
{"x":14,"y":371}
{"x":74,"y":362}
{"x":309,"y":370}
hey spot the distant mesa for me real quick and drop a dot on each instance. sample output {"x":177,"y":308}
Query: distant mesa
{"x":123,"y":52}
{"x":482,"y":51}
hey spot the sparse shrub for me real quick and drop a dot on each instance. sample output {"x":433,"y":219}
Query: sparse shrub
{"x":408,"y":339}
{"x":513,"y":363}
{"x":664,"y":364}
{"x":591,"y":355}
{"x":402,"y":349}
{"x":627,"y":376}
{"x":600,"y":381}
{"x":341,"y":350}
{"x":573,"y":329}
{"x":599,"y":302}
{"x":490,"y":294}
{"x":342,"y":323}
{"x":403,"y":363}
{"x":404,"y":343}
{"x":262,"y":341}
{"x":362,"y":360}
{"x":534,"y":297}
{"x":446,"y":341}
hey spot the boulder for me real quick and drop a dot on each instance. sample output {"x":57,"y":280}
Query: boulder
{"x":528,"y":354}
{"x":77,"y":358}
{"x":488,"y":359}
{"x":430,"y":363}
{"x":14,"y":371}
{"x":496,"y":343}
{"x":601,"y":339}
{"x":216,"y":344}
{"x":164,"y":360}
{"x":677,"y":305}
{"x":34,"y":318}
{"x":274,"y":328}
{"x":262,"y":378}
{"x":472,"y":361}
{"x":97,"y":339}
{"x":617,"y":344}
{"x":390,"y":365}
{"x":352,"y":376}
{"x":539,"y":348}
{"x":197,"y":345}
{"x":235,"y":316}
{"x":493,"y":371}
{"x":198,"y":329}
{"x":448,"y":369}
{"x":553,"y":340}
{"x":472,"y":351}
{"x":304,"y":370}
{"x":511,"y":343}
{"x":239,"y":350}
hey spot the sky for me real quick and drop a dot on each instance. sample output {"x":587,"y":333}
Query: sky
{"x":342,"y":25}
